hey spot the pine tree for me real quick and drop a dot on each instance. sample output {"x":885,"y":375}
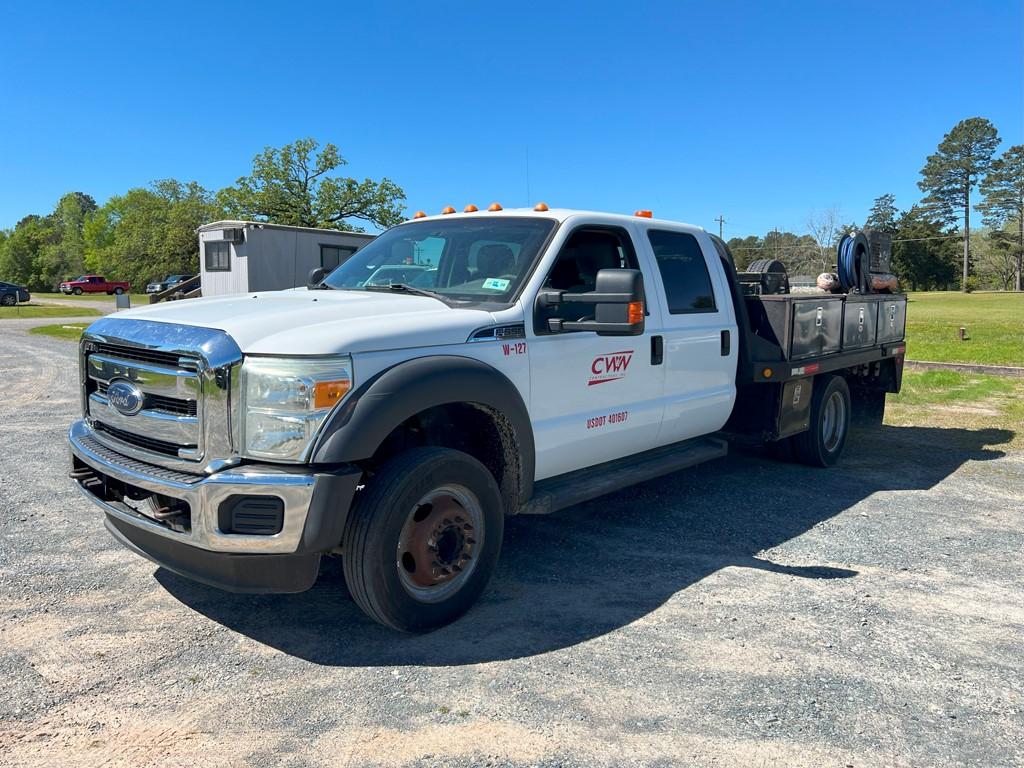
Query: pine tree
{"x":962,"y":158}
{"x":1003,"y":189}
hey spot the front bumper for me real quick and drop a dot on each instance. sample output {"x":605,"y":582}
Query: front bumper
{"x":315,"y":507}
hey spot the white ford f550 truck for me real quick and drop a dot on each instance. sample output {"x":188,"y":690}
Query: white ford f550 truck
{"x":458,"y":369}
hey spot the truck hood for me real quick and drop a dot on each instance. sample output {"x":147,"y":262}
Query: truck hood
{"x":302,"y":322}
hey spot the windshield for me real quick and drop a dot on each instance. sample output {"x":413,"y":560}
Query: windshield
{"x":481,"y":259}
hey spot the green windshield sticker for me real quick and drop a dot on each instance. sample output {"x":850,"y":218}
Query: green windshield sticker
{"x":496,"y":283}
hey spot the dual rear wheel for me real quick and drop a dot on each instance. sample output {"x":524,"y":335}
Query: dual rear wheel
{"x":830,"y":417}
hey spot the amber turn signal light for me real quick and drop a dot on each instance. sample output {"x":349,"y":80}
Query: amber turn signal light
{"x":328,"y":393}
{"x":636,"y":312}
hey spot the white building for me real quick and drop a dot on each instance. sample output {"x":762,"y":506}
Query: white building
{"x":243,"y":256}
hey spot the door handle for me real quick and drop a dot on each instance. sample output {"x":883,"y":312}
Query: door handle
{"x":657,"y":350}
{"x":726,"y":343}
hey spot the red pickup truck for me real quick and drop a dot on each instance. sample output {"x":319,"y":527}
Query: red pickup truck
{"x":93,"y":284}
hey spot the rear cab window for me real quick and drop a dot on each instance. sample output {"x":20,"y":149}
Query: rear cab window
{"x":684,"y":272}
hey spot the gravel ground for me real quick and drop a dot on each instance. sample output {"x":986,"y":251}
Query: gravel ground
{"x":747,"y":613}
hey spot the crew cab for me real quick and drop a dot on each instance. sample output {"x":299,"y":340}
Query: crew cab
{"x":93,"y":284}
{"x":556,"y":355}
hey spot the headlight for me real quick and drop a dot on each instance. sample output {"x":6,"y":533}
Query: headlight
{"x":285,"y":400}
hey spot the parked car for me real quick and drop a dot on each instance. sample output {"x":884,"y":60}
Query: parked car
{"x":11,"y":294}
{"x":93,"y":284}
{"x":169,"y":282}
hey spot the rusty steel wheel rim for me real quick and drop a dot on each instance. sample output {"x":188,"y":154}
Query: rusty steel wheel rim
{"x":439,"y":542}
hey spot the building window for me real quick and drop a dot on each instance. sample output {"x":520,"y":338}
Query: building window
{"x":218,"y":257}
{"x":683,"y":271}
{"x":333,"y":255}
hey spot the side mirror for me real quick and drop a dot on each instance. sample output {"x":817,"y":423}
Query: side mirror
{"x":316,"y":276}
{"x":618,"y":299}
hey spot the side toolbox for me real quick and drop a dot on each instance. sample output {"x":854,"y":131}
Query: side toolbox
{"x":800,"y":326}
{"x":892,"y":318}
{"x":860,"y":322}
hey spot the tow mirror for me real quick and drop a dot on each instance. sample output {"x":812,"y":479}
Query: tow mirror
{"x":618,"y":299}
{"x":316,"y":277}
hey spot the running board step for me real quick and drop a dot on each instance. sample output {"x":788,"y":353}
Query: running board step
{"x":585,"y":484}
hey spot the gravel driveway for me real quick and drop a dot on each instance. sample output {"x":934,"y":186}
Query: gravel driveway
{"x":746,"y":613}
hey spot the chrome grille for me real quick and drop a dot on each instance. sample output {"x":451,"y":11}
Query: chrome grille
{"x":168,"y":420}
{"x":154,"y":356}
{"x":149,"y":443}
{"x":176,"y":410}
{"x":161,"y":403}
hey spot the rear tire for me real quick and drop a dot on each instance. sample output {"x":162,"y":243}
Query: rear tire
{"x":119,"y":291}
{"x":423,"y":538}
{"x":823,"y":442}
{"x":8,"y":300}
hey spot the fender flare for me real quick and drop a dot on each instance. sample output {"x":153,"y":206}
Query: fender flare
{"x":358,"y":427}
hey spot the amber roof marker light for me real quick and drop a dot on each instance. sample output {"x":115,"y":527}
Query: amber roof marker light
{"x":540,"y":207}
{"x":419,"y":215}
{"x":470,"y":209}
{"x":447,"y":209}
{"x":645,"y":214}
{"x":494,"y":207}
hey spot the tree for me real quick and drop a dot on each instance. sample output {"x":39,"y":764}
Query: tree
{"x":149,"y":233}
{"x":995,"y":255}
{"x":825,"y":228}
{"x":923,"y":251}
{"x":963,"y":156}
{"x":1003,"y":189}
{"x":292,"y":185}
{"x":883,"y":214}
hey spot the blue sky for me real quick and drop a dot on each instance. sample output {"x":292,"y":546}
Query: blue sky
{"x":762,"y":112}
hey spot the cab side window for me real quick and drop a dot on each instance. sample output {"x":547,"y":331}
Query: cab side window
{"x":683,"y":271}
{"x":575,"y":270}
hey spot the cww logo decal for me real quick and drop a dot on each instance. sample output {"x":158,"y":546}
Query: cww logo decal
{"x":609,"y":367}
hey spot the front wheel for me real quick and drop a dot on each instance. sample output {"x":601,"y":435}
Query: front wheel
{"x":8,"y":300}
{"x":423,"y":538}
{"x":823,"y":442}
{"x":119,"y":291}
{"x":77,"y":291}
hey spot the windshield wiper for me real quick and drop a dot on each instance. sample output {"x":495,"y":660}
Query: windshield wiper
{"x":406,"y":288}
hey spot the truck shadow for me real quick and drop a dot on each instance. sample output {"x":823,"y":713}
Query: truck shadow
{"x":583,"y":572}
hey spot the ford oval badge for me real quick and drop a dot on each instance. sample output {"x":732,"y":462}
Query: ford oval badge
{"x":124,"y":397}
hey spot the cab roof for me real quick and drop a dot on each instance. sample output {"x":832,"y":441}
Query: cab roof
{"x":561,"y":215}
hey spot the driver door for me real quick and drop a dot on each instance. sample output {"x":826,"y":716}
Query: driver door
{"x":593,"y":398}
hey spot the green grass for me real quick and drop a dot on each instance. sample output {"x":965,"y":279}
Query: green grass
{"x":994,"y":322}
{"x":49,"y":310}
{"x":931,"y":387}
{"x":955,"y":400}
{"x":136,"y":297}
{"x":69,"y":332}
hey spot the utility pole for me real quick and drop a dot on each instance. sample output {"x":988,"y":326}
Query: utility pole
{"x":721,"y":222}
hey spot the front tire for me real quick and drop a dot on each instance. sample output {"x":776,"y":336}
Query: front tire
{"x":77,"y":291}
{"x":423,"y":539}
{"x":823,"y":442}
{"x":118,"y":291}
{"x":8,"y":300}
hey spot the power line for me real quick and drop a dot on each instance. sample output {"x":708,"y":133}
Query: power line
{"x":815,"y":246}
